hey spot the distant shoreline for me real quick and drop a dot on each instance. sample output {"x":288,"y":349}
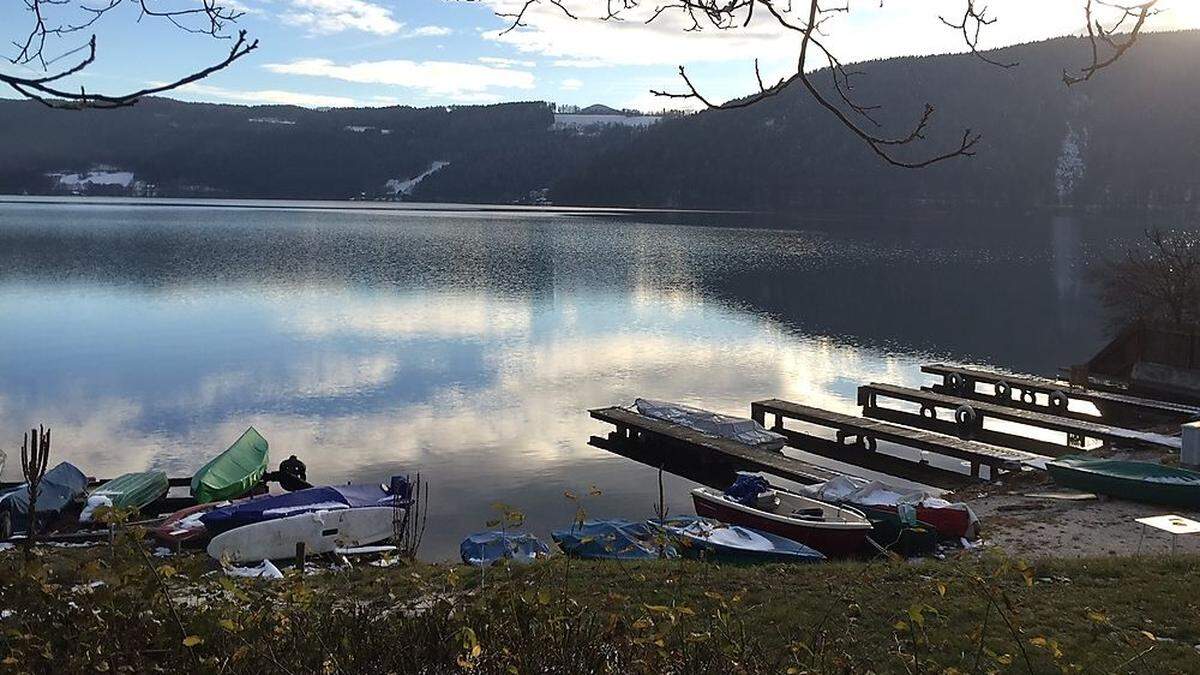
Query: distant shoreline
{"x":341,"y":205}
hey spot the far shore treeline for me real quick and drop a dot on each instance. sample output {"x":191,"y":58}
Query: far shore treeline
{"x":1126,"y":140}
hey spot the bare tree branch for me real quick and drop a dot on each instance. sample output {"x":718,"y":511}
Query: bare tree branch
{"x":1109,"y":37}
{"x":203,"y":17}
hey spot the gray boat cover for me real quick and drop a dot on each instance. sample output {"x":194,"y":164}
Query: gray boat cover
{"x":709,"y":423}
{"x":60,"y":486}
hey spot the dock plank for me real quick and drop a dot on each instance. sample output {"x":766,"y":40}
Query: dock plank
{"x":995,"y":457}
{"x":983,"y":409}
{"x":745,"y":457}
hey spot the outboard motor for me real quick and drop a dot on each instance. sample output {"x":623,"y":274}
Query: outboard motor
{"x":293,"y":475}
{"x":400,"y":488}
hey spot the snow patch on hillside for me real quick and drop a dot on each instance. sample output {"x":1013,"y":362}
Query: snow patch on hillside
{"x":95,"y":177}
{"x":1070,"y":167}
{"x":405,"y":187}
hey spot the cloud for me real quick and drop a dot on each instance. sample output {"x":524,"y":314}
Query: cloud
{"x":266,"y":96}
{"x":322,"y":17}
{"x":571,"y":84}
{"x":500,"y":62}
{"x":868,"y":31}
{"x":429,"y":31}
{"x":463,"y":82}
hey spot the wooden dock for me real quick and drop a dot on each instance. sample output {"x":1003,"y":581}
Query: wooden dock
{"x":1038,"y":394}
{"x":859,"y":436}
{"x":683,"y":444}
{"x":967,"y":416}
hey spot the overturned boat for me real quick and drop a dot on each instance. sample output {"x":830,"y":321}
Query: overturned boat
{"x":1135,"y":481}
{"x":60,"y":488}
{"x":128,"y":491}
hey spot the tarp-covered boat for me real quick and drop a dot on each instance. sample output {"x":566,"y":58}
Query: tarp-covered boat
{"x":271,"y":507}
{"x":700,"y":537}
{"x":131,"y":490}
{"x":951,"y":520}
{"x":739,"y":429}
{"x":485,"y":548}
{"x":60,"y":487}
{"x":234,"y":472}
{"x":612,"y":540}
{"x":1135,"y":481}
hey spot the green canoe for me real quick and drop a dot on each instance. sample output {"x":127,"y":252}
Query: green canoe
{"x":131,"y":490}
{"x":1135,"y":481}
{"x":234,"y":472}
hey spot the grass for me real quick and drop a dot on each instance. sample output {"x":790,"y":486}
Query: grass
{"x":963,"y":615}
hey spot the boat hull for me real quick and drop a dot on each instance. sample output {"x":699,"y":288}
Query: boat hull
{"x":949,"y":523}
{"x":833,"y":542}
{"x":234,"y":472}
{"x":1132,"y":488}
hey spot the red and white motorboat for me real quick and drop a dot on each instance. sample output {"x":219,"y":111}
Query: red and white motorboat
{"x":836,"y":531}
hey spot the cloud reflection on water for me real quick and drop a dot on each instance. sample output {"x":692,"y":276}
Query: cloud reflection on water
{"x":468,"y":349}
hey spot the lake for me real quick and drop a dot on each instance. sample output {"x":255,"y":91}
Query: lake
{"x":467,"y":344}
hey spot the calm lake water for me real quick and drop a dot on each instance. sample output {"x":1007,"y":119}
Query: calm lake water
{"x":468,"y":344}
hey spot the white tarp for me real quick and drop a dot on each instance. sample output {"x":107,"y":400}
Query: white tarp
{"x":738,"y":429}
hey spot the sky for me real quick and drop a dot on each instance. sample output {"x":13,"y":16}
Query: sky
{"x":444,"y":52}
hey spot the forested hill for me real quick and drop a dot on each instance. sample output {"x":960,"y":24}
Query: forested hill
{"x":1128,"y":138}
{"x":495,"y":153}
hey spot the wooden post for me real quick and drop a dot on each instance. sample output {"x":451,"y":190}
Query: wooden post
{"x":300,"y":556}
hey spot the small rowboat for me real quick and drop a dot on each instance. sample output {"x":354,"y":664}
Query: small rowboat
{"x":708,"y":539}
{"x":836,"y":531}
{"x":234,"y":472}
{"x":184,"y":527}
{"x":131,"y":490}
{"x":1135,"y":481}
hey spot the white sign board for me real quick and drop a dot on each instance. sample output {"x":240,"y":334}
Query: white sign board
{"x":1172,"y":524}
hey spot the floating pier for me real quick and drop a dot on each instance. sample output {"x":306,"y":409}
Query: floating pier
{"x":673,"y":440}
{"x":967,"y":417}
{"x":1038,"y":394}
{"x":856,"y":439}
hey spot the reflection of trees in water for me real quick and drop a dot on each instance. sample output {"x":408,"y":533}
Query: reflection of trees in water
{"x":990,"y":288}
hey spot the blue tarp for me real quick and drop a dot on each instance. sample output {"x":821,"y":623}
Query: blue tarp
{"x":611,"y":540}
{"x":485,"y":548}
{"x":323,"y":498}
{"x":60,"y":486}
{"x":746,"y":488}
{"x":701,"y":537}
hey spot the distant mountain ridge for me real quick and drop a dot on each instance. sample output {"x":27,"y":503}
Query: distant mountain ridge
{"x":1130,"y":138}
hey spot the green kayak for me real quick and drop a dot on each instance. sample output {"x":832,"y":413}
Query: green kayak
{"x":234,"y":472}
{"x":131,"y":490}
{"x":1135,"y":481}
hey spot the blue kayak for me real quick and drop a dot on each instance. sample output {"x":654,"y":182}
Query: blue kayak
{"x":711,"y":540}
{"x":271,"y":507}
{"x":612,"y":540}
{"x":484,"y":548}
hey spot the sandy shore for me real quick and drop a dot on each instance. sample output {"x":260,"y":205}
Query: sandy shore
{"x":1025,"y":524}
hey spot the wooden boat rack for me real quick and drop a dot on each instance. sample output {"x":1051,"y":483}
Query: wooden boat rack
{"x":967,"y":416}
{"x":1038,"y":394}
{"x":856,"y":438}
